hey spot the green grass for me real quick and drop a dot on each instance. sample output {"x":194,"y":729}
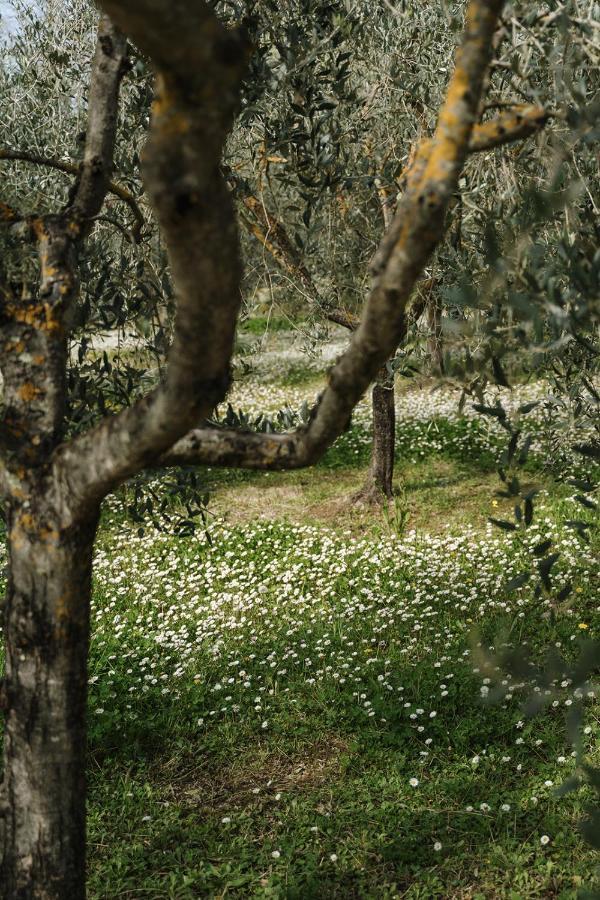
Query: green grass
{"x":261,"y":324}
{"x":182,"y":808}
{"x":261,"y":694}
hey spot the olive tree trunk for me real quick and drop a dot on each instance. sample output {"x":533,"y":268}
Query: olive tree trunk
{"x":46,"y":637}
{"x":435,"y":340}
{"x":378,"y":485}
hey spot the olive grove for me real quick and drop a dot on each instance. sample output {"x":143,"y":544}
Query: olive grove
{"x":73,"y":429}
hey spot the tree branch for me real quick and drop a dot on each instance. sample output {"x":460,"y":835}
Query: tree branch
{"x":70,"y":168}
{"x":109,"y":65}
{"x":513,"y":125}
{"x":198,"y":93}
{"x":201,"y":65}
{"x":33,"y":339}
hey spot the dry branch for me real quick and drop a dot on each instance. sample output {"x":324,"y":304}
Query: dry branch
{"x":70,"y":168}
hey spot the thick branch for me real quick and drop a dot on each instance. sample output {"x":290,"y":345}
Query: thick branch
{"x":192,"y":116}
{"x":108,"y":68}
{"x":181,"y":170}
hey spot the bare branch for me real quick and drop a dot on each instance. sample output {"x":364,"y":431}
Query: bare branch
{"x":108,"y":68}
{"x":214,"y":446}
{"x":514,"y":125}
{"x":71,"y":168}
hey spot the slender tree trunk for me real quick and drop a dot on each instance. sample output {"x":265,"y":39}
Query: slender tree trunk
{"x":378,"y":486}
{"x":435,"y":342}
{"x":46,"y":635}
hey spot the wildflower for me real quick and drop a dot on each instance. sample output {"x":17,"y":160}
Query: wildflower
{"x":276,"y":854}
{"x":333,"y":857}
{"x":437,"y":846}
{"x":544,"y":840}
{"x":583,"y":626}
{"x":414,"y":782}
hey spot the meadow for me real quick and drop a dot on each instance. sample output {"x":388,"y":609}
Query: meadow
{"x":288,"y":703}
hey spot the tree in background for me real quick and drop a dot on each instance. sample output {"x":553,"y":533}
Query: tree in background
{"x":324,"y":156}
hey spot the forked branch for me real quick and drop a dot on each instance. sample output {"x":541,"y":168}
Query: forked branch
{"x":200,"y":66}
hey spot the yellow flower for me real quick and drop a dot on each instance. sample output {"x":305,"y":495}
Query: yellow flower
{"x":583,"y":626}
{"x":579,"y":590}
{"x":494,"y":503}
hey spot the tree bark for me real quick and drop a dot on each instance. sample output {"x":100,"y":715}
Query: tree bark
{"x":435,"y":340}
{"x":46,"y":631}
{"x":378,"y":486}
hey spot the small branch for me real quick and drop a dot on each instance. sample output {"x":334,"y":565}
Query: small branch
{"x":514,"y":125}
{"x":108,"y":67}
{"x":70,"y":168}
{"x":4,"y":485}
{"x":343,"y":318}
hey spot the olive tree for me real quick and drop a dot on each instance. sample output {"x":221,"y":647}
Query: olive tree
{"x":52,"y":485}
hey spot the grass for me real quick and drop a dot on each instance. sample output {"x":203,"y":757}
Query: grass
{"x":286,"y":706}
{"x":298,"y":785}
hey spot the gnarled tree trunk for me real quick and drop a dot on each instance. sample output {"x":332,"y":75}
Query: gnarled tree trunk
{"x":53,"y":489}
{"x":46,"y":639}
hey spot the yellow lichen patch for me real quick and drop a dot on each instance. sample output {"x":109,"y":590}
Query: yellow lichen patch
{"x":452,"y":130}
{"x":51,"y":323}
{"x":26,"y":522}
{"x":28,"y":392}
{"x":509,"y":126}
{"x":41,"y":316}
{"x":7,"y":213}
{"x":39,"y":228}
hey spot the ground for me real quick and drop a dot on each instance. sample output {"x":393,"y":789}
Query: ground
{"x":290,"y":703}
